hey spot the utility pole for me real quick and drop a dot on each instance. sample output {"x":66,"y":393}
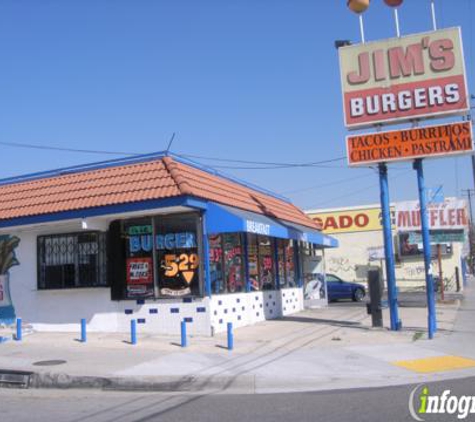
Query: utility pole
{"x":471,"y":235}
{"x":468,"y":193}
{"x":470,"y":118}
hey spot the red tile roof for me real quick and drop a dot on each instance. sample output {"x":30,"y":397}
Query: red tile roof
{"x":157,"y":179}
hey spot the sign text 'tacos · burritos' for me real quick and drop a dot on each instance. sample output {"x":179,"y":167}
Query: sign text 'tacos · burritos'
{"x":400,"y":79}
{"x":409,"y":144}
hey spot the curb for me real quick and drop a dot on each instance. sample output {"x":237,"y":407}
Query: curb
{"x":238,"y":384}
{"x":156,"y":384}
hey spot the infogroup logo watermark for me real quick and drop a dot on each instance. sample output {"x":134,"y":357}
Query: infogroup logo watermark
{"x":422,"y":403}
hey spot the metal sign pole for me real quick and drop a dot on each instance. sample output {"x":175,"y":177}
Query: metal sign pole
{"x":432,"y":8}
{"x":388,"y":248}
{"x":396,"y":19}
{"x":432,"y":321}
{"x":362,"y":28}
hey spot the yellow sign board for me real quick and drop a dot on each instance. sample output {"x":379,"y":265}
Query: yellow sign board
{"x":347,"y":221}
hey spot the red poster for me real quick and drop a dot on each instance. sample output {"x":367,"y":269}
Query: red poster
{"x":139,"y":271}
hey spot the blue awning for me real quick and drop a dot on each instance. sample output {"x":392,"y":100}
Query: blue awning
{"x":225,"y":219}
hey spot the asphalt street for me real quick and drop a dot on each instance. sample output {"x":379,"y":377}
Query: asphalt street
{"x":365,"y":405}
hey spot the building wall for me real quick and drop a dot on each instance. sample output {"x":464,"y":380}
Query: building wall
{"x":62,"y":309}
{"x":360,"y":235}
{"x":350,"y":261}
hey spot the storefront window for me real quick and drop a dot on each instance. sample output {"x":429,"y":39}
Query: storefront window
{"x":72,"y":260}
{"x":253,"y":259}
{"x":139,"y":258}
{"x":154,"y":257}
{"x":177,"y":255}
{"x":233,"y":263}
{"x":281,"y":244}
{"x":290,"y":264}
{"x":216,"y":263}
{"x":266,"y":263}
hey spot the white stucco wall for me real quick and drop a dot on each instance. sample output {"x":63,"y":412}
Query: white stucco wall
{"x":63,"y":309}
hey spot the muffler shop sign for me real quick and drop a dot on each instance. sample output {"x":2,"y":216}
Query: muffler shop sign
{"x":400,"y":79}
{"x":409,"y":144}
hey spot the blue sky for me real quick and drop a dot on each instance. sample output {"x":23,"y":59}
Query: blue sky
{"x":236,"y":79}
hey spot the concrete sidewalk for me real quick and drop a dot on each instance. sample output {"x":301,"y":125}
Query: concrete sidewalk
{"x":314,"y":350}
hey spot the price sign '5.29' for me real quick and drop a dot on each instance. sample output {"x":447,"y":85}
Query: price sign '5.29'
{"x":184,"y":264}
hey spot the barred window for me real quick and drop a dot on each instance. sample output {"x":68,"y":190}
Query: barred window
{"x":72,"y":260}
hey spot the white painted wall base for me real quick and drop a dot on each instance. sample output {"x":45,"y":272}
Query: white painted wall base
{"x":249,"y":308}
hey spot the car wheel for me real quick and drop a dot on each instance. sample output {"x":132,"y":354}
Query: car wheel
{"x":358,"y":295}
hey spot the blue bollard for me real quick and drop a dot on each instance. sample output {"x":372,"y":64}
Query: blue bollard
{"x":19,"y":334}
{"x":83,"y":330}
{"x":133,"y":331}
{"x":230,"y":336}
{"x":183,"y":334}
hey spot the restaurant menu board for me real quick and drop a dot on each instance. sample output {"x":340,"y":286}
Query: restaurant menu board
{"x":139,"y":261}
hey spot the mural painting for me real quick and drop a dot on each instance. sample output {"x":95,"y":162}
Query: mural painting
{"x":8,"y":259}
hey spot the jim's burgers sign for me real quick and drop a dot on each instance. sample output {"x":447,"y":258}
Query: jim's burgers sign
{"x":400,"y":79}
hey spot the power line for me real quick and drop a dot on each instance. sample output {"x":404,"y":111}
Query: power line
{"x":324,"y":185}
{"x":354,"y":192}
{"x":265,"y":163}
{"x":337,"y":182}
{"x":275,"y":167}
{"x":53,"y":148}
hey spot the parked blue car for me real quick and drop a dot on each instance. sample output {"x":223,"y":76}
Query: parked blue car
{"x":339,"y":289}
